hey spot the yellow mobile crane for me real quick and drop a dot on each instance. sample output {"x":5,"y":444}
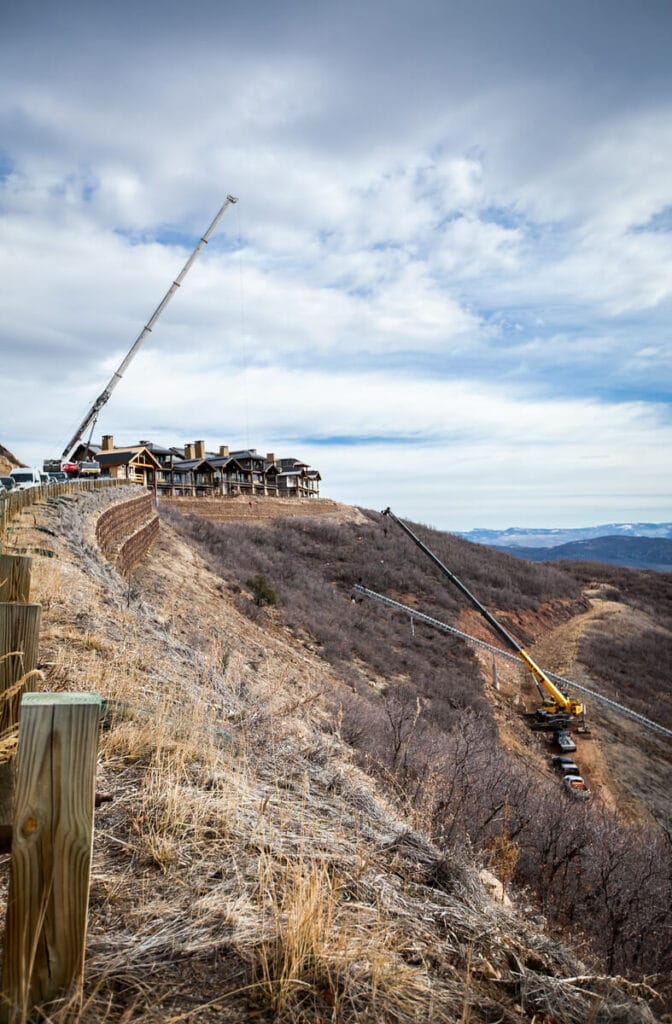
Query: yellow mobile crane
{"x":555,"y":702}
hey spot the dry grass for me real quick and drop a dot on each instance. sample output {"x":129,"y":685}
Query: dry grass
{"x":10,"y":700}
{"x":244,"y":868}
{"x":323,"y":955}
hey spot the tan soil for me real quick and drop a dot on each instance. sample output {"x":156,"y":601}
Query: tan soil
{"x":626,"y":767}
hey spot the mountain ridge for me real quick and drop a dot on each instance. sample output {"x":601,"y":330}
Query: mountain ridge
{"x":539,"y":537}
{"x":631,"y":545}
{"x":630,"y":552}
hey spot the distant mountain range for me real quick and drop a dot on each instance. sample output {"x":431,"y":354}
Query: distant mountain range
{"x":517,"y":536}
{"x":634,"y":545}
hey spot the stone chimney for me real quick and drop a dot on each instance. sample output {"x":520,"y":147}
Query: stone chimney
{"x":224,"y":450}
{"x":108,"y":443}
{"x":199,"y":448}
{"x":270,"y":456}
{"x":189,"y":451}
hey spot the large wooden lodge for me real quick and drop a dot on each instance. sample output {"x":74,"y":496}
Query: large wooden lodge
{"x":194,"y":472}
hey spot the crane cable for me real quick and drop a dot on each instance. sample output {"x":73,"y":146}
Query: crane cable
{"x":647,"y":723}
{"x":243,"y":333}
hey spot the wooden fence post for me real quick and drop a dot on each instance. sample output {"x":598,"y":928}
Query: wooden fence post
{"x":15,"y":578}
{"x":51,"y":850}
{"x":19,"y":634}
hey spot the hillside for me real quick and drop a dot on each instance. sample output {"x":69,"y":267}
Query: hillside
{"x":7,"y":461}
{"x":270,"y":852}
{"x":422,"y":712}
{"x":630,"y":552}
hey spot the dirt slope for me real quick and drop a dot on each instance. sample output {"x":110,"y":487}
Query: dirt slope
{"x":7,"y":461}
{"x":627,"y":767}
{"x":244,"y":868}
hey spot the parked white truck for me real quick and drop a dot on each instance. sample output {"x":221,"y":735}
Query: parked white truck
{"x":26,"y":477}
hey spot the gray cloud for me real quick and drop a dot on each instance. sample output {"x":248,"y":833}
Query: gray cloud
{"x":431,"y":194}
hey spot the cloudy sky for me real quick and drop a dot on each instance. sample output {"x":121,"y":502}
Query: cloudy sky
{"x":447,"y":282}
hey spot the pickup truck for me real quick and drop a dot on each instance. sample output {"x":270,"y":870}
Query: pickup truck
{"x":564,"y":741}
{"x":564,"y":765}
{"x":26,"y":477}
{"x":576,"y":787}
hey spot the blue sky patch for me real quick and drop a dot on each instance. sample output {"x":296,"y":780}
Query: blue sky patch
{"x":6,"y":165}
{"x":660,"y":222}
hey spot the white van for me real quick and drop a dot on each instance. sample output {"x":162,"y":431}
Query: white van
{"x":26,"y":477}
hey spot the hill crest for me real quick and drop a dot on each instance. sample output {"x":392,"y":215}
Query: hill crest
{"x":8,"y":461}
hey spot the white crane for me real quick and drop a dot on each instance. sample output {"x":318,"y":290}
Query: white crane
{"x":91,"y":417}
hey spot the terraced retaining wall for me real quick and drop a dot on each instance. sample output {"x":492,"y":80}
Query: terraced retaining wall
{"x":222,"y":510}
{"x":125,"y":532}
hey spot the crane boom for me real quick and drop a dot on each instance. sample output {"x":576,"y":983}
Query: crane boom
{"x":557,"y":701}
{"x":93,"y":413}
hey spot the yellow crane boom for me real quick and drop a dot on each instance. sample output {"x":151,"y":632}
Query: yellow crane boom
{"x":556,"y":701}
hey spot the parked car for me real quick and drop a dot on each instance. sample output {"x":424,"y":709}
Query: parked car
{"x":576,"y":787}
{"x":24,"y":478}
{"x":564,"y":741}
{"x":8,"y":482}
{"x":58,"y":478}
{"x":564,"y":765}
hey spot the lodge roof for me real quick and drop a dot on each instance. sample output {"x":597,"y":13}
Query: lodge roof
{"x":190,"y":465}
{"x":156,"y":449}
{"x":115,"y":458}
{"x":223,"y":461}
{"x":247,"y":453}
{"x":124,"y":456}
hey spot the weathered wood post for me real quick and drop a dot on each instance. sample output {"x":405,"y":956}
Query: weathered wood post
{"x":15,"y":578}
{"x":51,"y":850}
{"x":19,"y":634}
